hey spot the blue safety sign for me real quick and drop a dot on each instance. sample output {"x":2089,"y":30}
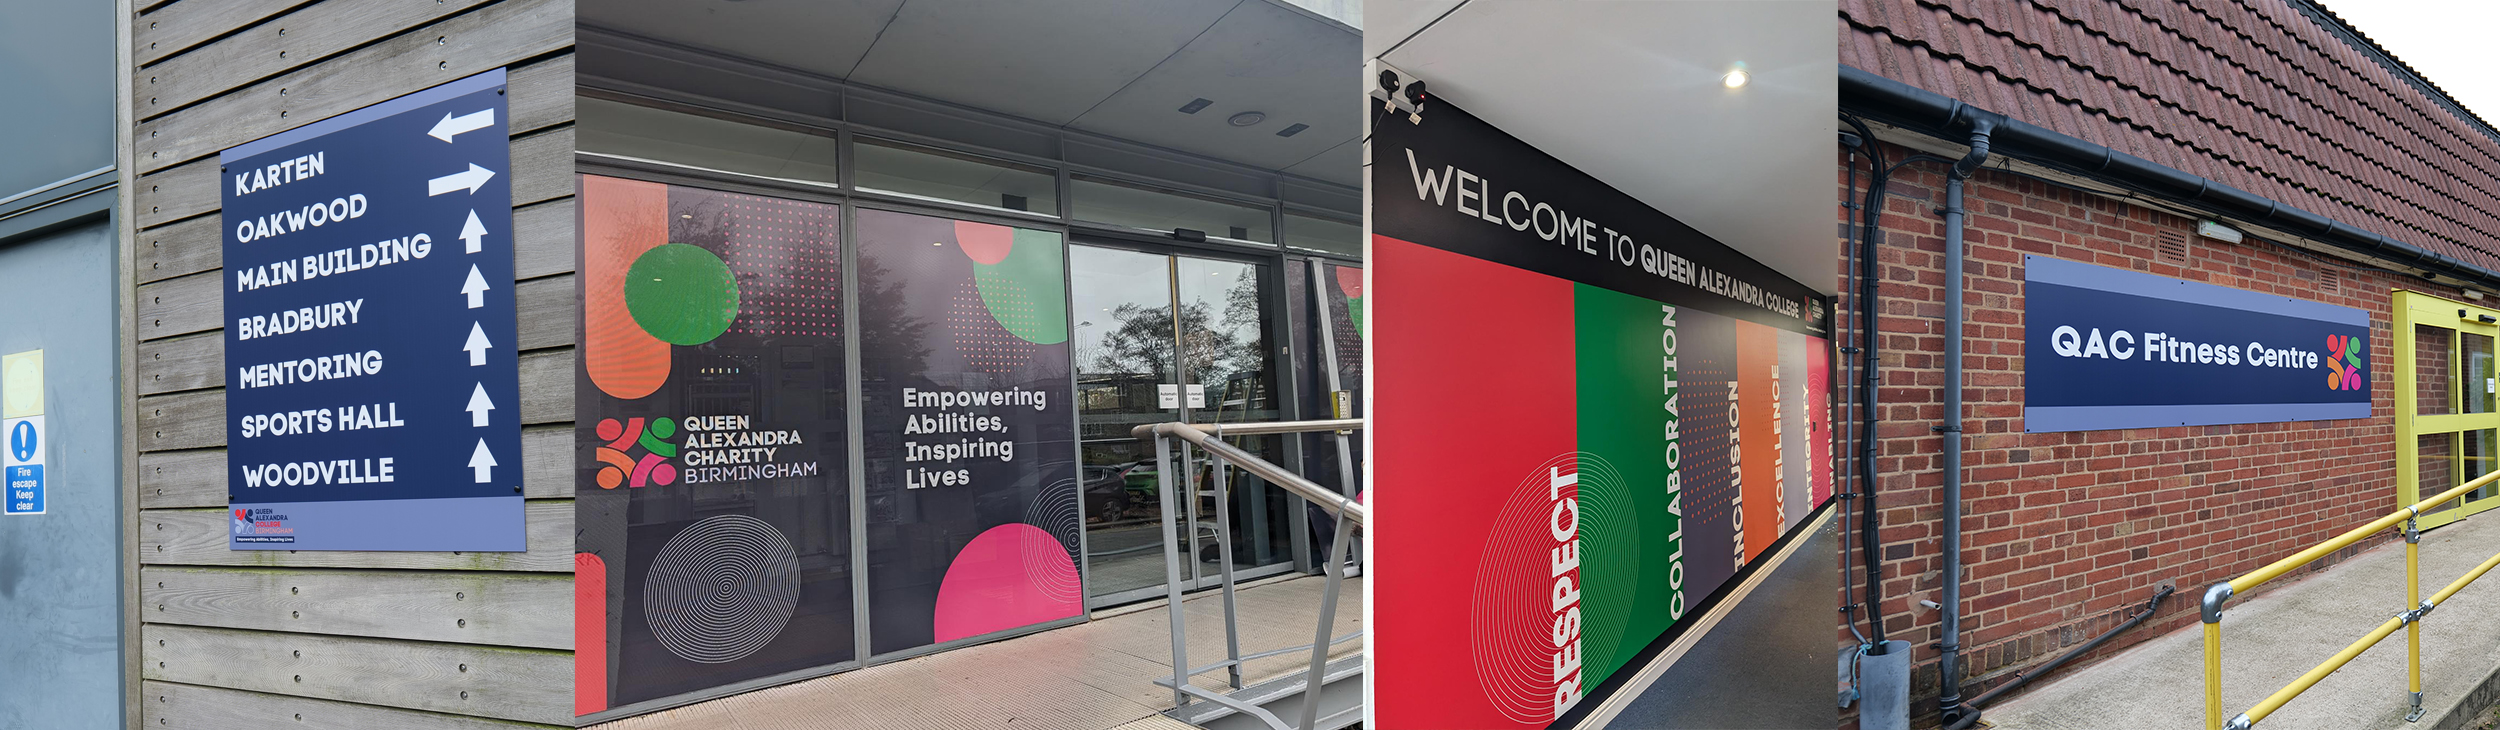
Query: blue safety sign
{"x":373,"y":386}
{"x":21,"y":466}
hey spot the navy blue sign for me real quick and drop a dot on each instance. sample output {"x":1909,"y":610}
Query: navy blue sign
{"x":372,"y":391}
{"x":2106,"y":348}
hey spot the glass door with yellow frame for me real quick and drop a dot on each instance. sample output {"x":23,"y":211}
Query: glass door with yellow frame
{"x":2447,"y":422}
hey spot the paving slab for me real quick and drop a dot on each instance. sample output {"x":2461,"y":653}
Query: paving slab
{"x":1097,"y":675}
{"x":2272,"y":637}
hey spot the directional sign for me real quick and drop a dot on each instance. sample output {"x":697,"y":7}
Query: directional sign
{"x":371,"y":329}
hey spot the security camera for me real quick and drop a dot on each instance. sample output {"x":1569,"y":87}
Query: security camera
{"x":1398,"y":91}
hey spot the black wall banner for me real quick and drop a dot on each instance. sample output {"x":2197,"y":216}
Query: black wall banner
{"x":973,"y":516}
{"x":714,"y":524}
{"x":1507,"y":204}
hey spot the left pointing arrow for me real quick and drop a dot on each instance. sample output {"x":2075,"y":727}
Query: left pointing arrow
{"x":452,"y":126}
{"x":476,"y":345}
{"x":482,"y":462}
{"x":476,"y":288}
{"x":472,"y":180}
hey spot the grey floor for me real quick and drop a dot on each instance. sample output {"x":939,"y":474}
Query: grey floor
{"x":1768,"y":664}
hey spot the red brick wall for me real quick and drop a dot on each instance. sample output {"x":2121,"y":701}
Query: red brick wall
{"x":2064,"y":534}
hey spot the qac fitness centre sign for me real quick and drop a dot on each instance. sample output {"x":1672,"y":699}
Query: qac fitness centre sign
{"x":2106,"y":348}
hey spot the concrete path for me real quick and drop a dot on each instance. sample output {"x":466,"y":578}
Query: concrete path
{"x":1093,"y":676}
{"x":2271,"y":638}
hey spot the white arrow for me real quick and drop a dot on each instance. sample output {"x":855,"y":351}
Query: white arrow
{"x":472,"y":180}
{"x":472,"y":231}
{"x":479,"y":404}
{"x":452,"y":126}
{"x":476,"y":289}
{"x":477,"y":345}
{"x":483,"y":462}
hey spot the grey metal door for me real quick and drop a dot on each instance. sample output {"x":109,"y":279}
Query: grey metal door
{"x":60,"y":576}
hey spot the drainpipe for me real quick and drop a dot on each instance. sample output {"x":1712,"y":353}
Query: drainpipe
{"x":1949,"y":669}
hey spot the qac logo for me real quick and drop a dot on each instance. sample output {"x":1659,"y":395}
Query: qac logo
{"x":2343,"y":363}
{"x":618,"y":466}
{"x":242,"y":522}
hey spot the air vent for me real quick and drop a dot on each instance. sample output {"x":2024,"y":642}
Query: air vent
{"x":2330,"y":280}
{"x":2171,"y":247}
{"x":1194,"y":105}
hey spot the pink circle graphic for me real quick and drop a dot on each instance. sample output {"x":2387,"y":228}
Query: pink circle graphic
{"x":985,"y":243}
{"x":994,"y":585}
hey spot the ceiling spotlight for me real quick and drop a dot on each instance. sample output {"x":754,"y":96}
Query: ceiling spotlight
{"x":1245,"y":119}
{"x":1737,"y":78}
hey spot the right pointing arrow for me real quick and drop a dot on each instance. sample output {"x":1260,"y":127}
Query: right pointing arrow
{"x":477,"y":345}
{"x":476,"y":288}
{"x":479,"y":404}
{"x":482,"y":462}
{"x":471,"y":180}
{"x":472,"y":231}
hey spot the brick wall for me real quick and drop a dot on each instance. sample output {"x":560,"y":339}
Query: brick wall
{"x":2065,"y":534}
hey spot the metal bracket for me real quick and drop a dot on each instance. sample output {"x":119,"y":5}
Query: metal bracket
{"x":2416,"y":714}
{"x":2240,"y":723}
{"x":2413,"y":533}
{"x":2418,"y":612}
{"x":2214,"y":598}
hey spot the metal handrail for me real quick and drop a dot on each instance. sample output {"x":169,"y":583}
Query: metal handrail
{"x":2410,"y":619}
{"x":1209,"y":438}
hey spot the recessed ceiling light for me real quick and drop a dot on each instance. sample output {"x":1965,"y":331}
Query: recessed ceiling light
{"x":1292,"y":130}
{"x":1194,"y":105}
{"x":1245,"y":119}
{"x":1737,"y":78}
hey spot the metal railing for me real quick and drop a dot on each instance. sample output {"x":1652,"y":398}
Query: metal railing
{"x":2410,"y":620}
{"x":1209,"y":438}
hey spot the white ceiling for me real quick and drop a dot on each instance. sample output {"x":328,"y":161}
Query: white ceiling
{"x":1631,"y":93}
{"x":1121,"y":68}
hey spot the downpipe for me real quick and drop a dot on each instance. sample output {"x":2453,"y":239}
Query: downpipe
{"x":1949,"y":668}
{"x":1971,"y":710}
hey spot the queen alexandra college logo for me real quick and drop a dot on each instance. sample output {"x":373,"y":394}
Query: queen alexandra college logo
{"x":617,"y":464}
{"x":2343,"y":363}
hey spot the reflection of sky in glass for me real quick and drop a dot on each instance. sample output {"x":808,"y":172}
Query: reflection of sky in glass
{"x":1103,"y":202}
{"x":685,"y":139}
{"x":1103,"y":279}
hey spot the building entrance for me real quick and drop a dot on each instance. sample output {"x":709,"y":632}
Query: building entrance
{"x":2447,"y":420}
{"x":1162,"y":337}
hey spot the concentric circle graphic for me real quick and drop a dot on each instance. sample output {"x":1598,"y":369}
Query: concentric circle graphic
{"x":1055,"y":510}
{"x":722,"y":589}
{"x":1511,"y":615}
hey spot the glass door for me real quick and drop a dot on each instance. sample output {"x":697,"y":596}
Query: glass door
{"x":1159,"y":338}
{"x":2448,"y":403}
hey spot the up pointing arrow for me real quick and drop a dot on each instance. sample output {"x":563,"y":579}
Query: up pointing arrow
{"x":479,"y":404}
{"x":476,"y":345}
{"x":472,"y":180}
{"x":482,"y":462}
{"x":452,"y":126}
{"x":476,"y":289}
{"x":472,"y":231}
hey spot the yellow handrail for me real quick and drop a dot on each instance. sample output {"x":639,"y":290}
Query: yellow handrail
{"x":2410,"y":620}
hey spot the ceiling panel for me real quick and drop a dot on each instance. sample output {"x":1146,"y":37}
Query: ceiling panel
{"x":824,"y":37}
{"x":1385,"y":22}
{"x":1631,"y":93}
{"x":1288,"y":66}
{"x":1342,"y":164}
{"x":1046,"y":60}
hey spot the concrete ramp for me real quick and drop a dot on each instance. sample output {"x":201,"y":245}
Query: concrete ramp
{"x":2274,"y":636}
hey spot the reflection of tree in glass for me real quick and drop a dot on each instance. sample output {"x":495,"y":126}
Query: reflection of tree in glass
{"x":887,"y":329}
{"x":1140,"y":342}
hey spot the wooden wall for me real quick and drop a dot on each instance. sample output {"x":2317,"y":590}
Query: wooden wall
{"x":338,"y":639}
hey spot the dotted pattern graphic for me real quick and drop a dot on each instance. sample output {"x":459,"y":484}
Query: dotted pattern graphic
{"x":722,"y":589}
{"x":985,"y":345}
{"x":788,"y":258}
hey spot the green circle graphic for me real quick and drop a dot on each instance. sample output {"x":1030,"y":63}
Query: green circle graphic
{"x":681,"y":294}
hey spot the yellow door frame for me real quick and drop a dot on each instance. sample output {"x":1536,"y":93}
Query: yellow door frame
{"x":2412,"y":308}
